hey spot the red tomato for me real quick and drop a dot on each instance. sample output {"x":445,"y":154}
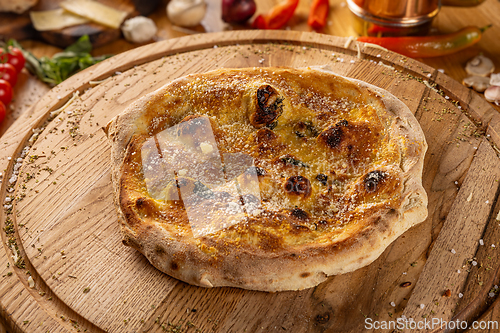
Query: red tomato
{"x":8,"y":73}
{"x":2,"y":112}
{"x":14,"y":57}
{"x":5,"y":92}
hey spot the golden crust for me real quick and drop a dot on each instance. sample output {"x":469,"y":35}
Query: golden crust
{"x":338,"y":163}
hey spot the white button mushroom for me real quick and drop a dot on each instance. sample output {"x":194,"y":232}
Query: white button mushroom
{"x":186,"y":13}
{"x":478,"y":83}
{"x":139,"y":29}
{"x":480,"y":65}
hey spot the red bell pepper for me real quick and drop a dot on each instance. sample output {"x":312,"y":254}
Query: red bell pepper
{"x":277,"y":17}
{"x":318,"y":14}
{"x":429,"y":46}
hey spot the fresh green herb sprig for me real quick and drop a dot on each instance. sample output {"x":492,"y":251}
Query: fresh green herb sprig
{"x":62,"y":65}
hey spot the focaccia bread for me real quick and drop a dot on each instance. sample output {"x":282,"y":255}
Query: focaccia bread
{"x":266,"y":178}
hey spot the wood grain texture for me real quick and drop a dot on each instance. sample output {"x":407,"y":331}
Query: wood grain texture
{"x":66,"y":228}
{"x":453,"y":253}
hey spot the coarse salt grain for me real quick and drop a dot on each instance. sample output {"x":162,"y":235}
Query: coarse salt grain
{"x":460,"y":295}
{"x":453,"y":251}
{"x":458,"y":271}
{"x":481,"y":242}
{"x":31,"y":283}
{"x":422,"y":306}
{"x":393,"y":304}
{"x":491,"y":294}
{"x":474,"y":263}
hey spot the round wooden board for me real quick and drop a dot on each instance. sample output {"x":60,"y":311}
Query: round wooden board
{"x":64,"y":224}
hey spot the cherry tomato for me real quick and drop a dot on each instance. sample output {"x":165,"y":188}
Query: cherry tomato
{"x":5,"y":92}
{"x":3,"y":111}
{"x":8,"y":73}
{"x":14,"y":57}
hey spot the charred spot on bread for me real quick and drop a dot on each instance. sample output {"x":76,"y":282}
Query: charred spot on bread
{"x":290,"y":160}
{"x":265,"y":136}
{"x":356,"y":142}
{"x":269,"y":106}
{"x":373,"y":179}
{"x":298,"y":186}
{"x":322,"y":178}
{"x":260,"y":171}
{"x":305,"y":129}
{"x":334,"y":135}
{"x":299,"y":214}
{"x":140,"y":202}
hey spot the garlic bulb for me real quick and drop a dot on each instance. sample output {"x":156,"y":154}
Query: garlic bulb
{"x":186,"y":13}
{"x":492,"y":94}
{"x":139,"y":29}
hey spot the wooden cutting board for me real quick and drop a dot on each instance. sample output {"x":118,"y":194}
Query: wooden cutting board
{"x":18,"y":26}
{"x":64,"y":224}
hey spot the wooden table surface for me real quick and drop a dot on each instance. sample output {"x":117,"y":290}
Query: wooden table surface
{"x":29,"y":90}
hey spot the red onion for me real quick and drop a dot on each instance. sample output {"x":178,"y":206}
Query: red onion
{"x":237,"y":11}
